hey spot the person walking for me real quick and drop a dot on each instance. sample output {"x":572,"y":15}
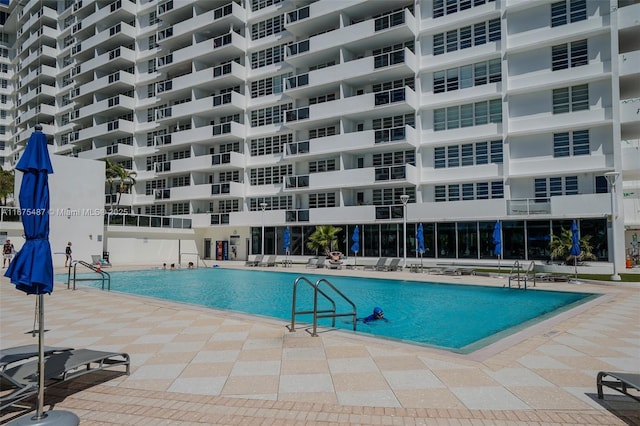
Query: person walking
{"x":67,"y":252}
{"x":7,"y":253}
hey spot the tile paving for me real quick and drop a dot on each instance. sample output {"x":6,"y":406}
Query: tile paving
{"x":193,"y":365}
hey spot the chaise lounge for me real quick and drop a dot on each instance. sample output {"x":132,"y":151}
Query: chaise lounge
{"x":60,"y":365}
{"x":255,"y":262}
{"x":621,"y":382}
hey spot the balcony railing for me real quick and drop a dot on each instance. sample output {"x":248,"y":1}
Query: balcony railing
{"x":300,"y":47}
{"x":220,"y":188}
{"x":163,"y":167}
{"x":222,"y":99}
{"x":164,"y":86}
{"x":298,"y":81}
{"x":223,"y":11}
{"x":296,"y":181}
{"x":388,"y":21}
{"x":147,"y":221}
{"x":166,"y":33}
{"x":390,"y":96}
{"x":298,"y":14}
{"x":163,"y":194}
{"x":388,"y":59}
{"x":389,"y":212}
{"x":222,"y":40}
{"x":297,"y":216}
{"x":297,"y":114}
{"x":529,"y":206}
{"x":390,"y":173}
{"x":390,"y":135}
{"x":220,"y":129}
{"x":222,"y":70}
{"x":297,"y":148}
{"x":217,"y":159}
{"x":162,"y":140}
{"x":220,"y":219}
{"x":165,"y":7}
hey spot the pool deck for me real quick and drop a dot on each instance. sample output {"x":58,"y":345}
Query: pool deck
{"x":193,"y":365}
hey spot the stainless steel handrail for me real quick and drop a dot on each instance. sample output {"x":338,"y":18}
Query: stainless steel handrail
{"x":103,"y":275}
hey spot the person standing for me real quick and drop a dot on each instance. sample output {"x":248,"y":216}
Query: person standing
{"x":7,"y":253}
{"x":67,"y":252}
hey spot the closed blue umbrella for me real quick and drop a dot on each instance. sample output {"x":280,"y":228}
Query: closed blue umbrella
{"x":286,"y":240}
{"x":420,"y":241}
{"x":32,"y":269}
{"x":497,"y":242}
{"x":286,"y":244}
{"x":355,"y":247}
{"x":575,"y":245}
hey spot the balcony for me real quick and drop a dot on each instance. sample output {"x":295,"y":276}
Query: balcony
{"x":113,"y":152}
{"x":390,"y":102}
{"x":544,"y":80}
{"x":629,"y":63}
{"x":391,"y":66}
{"x":357,"y":178}
{"x":583,"y":205}
{"x":367,"y":141}
{"x":555,"y":122}
{"x":549,"y":36}
{"x":630,"y":111}
{"x":369,"y":34}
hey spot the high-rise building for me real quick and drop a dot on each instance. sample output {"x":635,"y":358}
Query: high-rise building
{"x":247,"y":117}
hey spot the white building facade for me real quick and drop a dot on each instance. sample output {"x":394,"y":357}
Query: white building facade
{"x":242,"y":118}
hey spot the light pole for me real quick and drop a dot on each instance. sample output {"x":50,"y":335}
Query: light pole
{"x":404,"y":198}
{"x":263,"y":206}
{"x":612,"y":177}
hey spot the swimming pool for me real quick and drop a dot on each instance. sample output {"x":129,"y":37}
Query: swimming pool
{"x":456,"y":317}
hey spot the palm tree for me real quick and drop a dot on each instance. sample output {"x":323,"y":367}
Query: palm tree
{"x":6,"y":184}
{"x":125,"y":178}
{"x":560,"y":246}
{"x":324,"y":238}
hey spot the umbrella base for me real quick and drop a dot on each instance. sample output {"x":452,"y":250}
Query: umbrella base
{"x":54,"y":417}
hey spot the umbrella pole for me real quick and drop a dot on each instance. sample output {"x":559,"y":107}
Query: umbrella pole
{"x":40,"y":302}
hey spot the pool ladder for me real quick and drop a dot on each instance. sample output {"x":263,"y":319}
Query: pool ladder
{"x":325,"y":313}
{"x":520,"y":276}
{"x":104,"y":276}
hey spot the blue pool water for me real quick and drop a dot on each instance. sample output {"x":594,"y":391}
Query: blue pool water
{"x":460,"y":318}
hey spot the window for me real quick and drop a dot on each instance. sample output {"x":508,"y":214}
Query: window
{"x":555,"y":186}
{"x":453,"y":6}
{"x":269,"y":175}
{"x":569,"y":55}
{"x":467,"y":115}
{"x":180,"y":208}
{"x":322,"y":166}
{"x":470,"y":191}
{"x":470,"y":154}
{"x":467,"y":76}
{"x":322,"y":200}
{"x":267,"y":27}
{"x":270,"y":145}
{"x":273,"y":203}
{"x":270,"y":115}
{"x":270,"y":56}
{"x":568,"y":11}
{"x":570,"y":99}
{"x":261,"y":4}
{"x":463,"y":38}
{"x":391,"y":196}
{"x":602,"y":187}
{"x":268,"y":86}
{"x":571,"y":143}
{"x":322,"y":132}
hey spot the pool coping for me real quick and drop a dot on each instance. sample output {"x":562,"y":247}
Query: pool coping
{"x":478,"y":355}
